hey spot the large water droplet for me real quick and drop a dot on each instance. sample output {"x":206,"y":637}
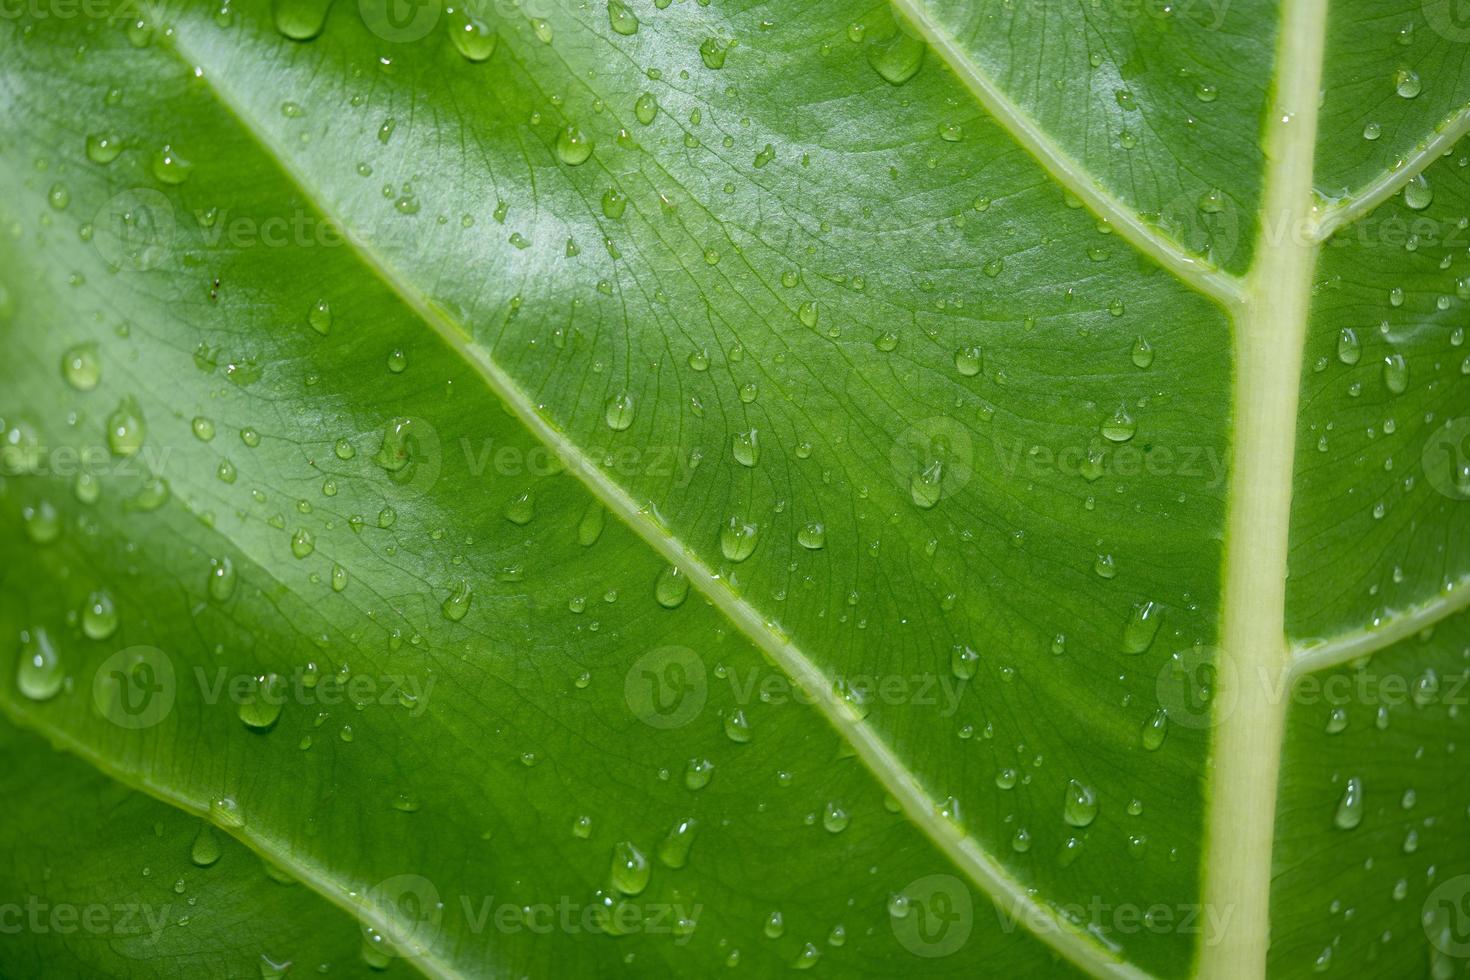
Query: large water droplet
{"x":81,"y":367}
{"x":672,"y":587}
{"x":300,"y":20}
{"x":1142,"y":627}
{"x":39,"y":675}
{"x":1079,"y":806}
{"x":630,"y":869}
{"x":1350,"y":807}
{"x":99,"y":616}
{"x":262,"y":701}
{"x":673,"y":850}
{"x":572,"y":147}
{"x":738,"y":538}
{"x":472,"y":36}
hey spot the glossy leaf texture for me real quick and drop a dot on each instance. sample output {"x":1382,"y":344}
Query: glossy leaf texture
{"x":654,"y":488}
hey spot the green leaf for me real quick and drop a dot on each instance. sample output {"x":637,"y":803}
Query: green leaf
{"x":637,"y":488}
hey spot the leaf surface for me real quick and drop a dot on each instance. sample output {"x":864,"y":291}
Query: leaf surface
{"x":769,"y":485}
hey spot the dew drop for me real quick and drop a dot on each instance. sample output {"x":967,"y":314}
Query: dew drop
{"x":81,"y":367}
{"x":618,"y":413}
{"x":262,"y":702}
{"x":673,"y":850}
{"x":1079,"y":806}
{"x":39,"y":675}
{"x":99,"y":616}
{"x":572,"y":147}
{"x":1350,"y":807}
{"x":457,"y":605}
{"x":672,"y":587}
{"x":738,"y":539}
{"x":472,"y":36}
{"x":1142,"y":627}
{"x":1120,"y":427}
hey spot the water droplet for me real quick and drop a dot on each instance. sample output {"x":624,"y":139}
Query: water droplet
{"x":320,"y":317}
{"x":1143,"y":353}
{"x":619,"y":412}
{"x":746,"y":448}
{"x":1407,"y":84}
{"x":302,"y":543}
{"x":521,"y":509}
{"x":473,"y":37}
{"x":968,"y":361}
{"x":673,"y":850}
{"x":81,"y":367}
{"x":39,"y":674}
{"x":262,"y":702}
{"x":672,"y":587}
{"x":737,"y":728}
{"x":1350,"y":807}
{"x":1349,"y":347}
{"x":125,"y":428}
{"x":169,"y":167}
{"x":897,"y":59}
{"x":1079,"y":806}
{"x":573,"y":147}
{"x":1211,"y":201}
{"x":1418,"y":195}
{"x":42,"y":522}
{"x":589,"y":529}
{"x":630,"y":869}
{"x":103,"y":148}
{"x":1154,"y":730}
{"x":713,"y":53}
{"x":221,"y":579}
{"x":206,"y":848}
{"x":738,"y":539}
{"x":1120,"y":427}
{"x":964,"y":661}
{"x":99,"y":616}
{"x":1142,"y":627}
{"x":1395,"y":373}
{"x":226,"y":812}
{"x":457,"y":605}
{"x":645,"y":109}
{"x":698,"y":773}
{"x":300,"y":20}
{"x":812,"y":536}
{"x":834,"y":818}
{"x":622,"y":20}
{"x":775,"y":925}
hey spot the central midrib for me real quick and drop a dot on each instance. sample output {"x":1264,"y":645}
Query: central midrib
{"x":1270,"y":337}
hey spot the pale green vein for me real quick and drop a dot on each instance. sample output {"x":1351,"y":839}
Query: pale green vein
{"x":1270,"y":341}
{"x":1068,"y":172}
{"x":318,"y":878}
{"x":1308,"y":658}
{"x":1447,"y":134}
{"x":966,"y":852}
